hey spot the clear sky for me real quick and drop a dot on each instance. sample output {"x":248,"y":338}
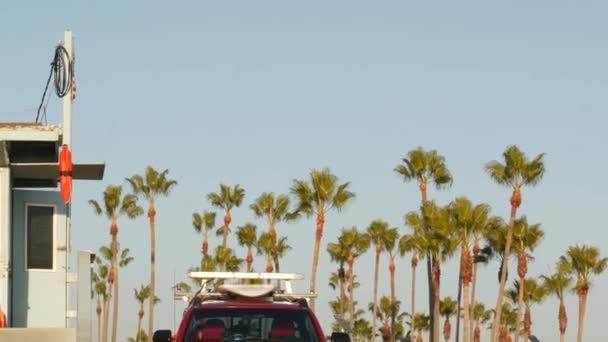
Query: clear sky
{"x":259,"y":92}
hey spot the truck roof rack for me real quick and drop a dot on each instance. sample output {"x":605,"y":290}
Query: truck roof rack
{"x":250,"y":291}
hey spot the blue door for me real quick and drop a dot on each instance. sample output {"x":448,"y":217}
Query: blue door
{"x":39,"y":258}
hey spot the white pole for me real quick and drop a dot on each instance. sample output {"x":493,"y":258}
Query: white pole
{"x":67,"y":99}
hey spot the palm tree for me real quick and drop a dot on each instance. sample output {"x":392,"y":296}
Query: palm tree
{"x":377,"y":230}
{"x":385,"y":311}
{"x":106,"y":253}
{"x":480,"y":315}
{"x":508,"y":320}
{"x":227,"y":199}
{"x":390,"y":242}
{"x":356,"y":243}
{"x":100,"y":281}
{"x":468,"y":219}
{"x":247,"y":236}
{"x":447,"y":308}
{"x":322,"y":195}
{"x":481,"y":256}
{"x":556,"y":284}
{"x":141,"y":296}
{"x":150,"y":186}
{"x":204,"y":223}
{"x":339,"y":253}
{"x":436,"y":230}
{"x":421,"y":322}
{"x":414,"y":244}
{"x":275,"y":210}
{"x":534,"y":294}
{"x":114,"y":206}
{"x":525,"y":238}
{"x":280,"y":248}
{"x":226,"y":259}
{"x":265,"y":247}
{"x":582,"y":260}
{"x":141,"y":336}
{"x":427,"y":166}
{"x":516,"y":172}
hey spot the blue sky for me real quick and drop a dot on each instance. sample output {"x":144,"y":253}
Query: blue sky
{"x":258,"y":93}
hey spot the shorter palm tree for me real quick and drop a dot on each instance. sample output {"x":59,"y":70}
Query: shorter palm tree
{"x":225,"y":259}
{"x":356,"y":243}
{"x":421,"y":321}
{"x":583,"y":261}
{"x":480,"y":316}
{"x":101,"y":291}
{"x":141,"y":296}
{"x":447,"y":308}
{"x":556,"y":284}
{"x":203,"y":223}
{"x":247,"y":237}
{"x":386,"y":310}
{"x":142,"y":336}
{"x":226,"y":199}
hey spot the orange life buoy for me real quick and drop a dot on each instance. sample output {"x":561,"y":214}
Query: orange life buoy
{"x":2,"y":320}
{"x":65,"y":173}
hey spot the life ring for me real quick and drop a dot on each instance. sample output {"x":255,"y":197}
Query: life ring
{"x":65,"y":173}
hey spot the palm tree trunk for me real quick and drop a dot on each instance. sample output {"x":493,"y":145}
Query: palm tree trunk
{"x":106,"y":314}
{"x":467,"y":318}
{"x":563,"y":320}
{"x":98,"y":309}
{"x":429,"y":274}
{"x":582,"y":305}
{"x":527,"y":324}
{"x":227,"y":219}
{"x":140,"y":316}
{"x":474,"y":282}
{"x":520,"y":305}
{"x":205,"y":241}
{"x":151,"y":216}
{"x":315,"y":259}
{"x":115,"y":308}
{"x":376,"y":271}
{"x":458,"y":305}
{"x":342,"y":291}
{"x":249,"y":259}
{"x":391,"y":268}
{"x":477,"y":333}
{"x":447,"y":329}
{"x":437,"y":298}
{"x":351,"y":305}
{"x":413,"y":299}
{"x":515,"y":201}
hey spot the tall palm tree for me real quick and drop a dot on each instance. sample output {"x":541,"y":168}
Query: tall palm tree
{"x":114,"y":206}
{"x":556,"y":284}
{"x":150,"y":186}
{"x":227,"y":199}
{"x":412,"y":243}
{"x":390,"y":241}
{"x":204,"y":223}
{"x":480,"y":315}
{"x":468,"y":219}
{"x":274,"y":209}
{"x":356,"y":243}
{"x":525,"y":239}
{"x":447,"y":308}
{"x":423,"y":167}
{"x":247,"y":237}
{"x":339,"y":253}
{"x":481,"y":256}
{"x":582,"y":261}
{"x":515,"y":172}
{"x":437,"y":233}
{"x":377,"y":230}
{"x":319,"y":197}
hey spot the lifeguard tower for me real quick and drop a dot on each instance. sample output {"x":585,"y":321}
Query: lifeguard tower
{"x":35,"y":274}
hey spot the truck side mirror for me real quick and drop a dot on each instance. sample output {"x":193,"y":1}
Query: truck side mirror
{"x":338,"y":337}
{"x":162,"y":336}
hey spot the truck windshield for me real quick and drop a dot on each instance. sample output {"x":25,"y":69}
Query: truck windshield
{"x":248,"y":324}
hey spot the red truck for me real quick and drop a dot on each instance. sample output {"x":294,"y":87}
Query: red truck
{"x":247,"y":312}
